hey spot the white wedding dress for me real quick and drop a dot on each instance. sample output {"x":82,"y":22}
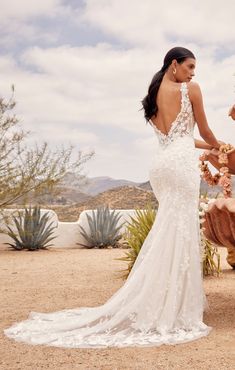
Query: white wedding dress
{"x":163,"y":300}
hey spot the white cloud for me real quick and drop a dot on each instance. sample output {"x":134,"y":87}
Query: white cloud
{"x":17,"y":21}
{"x":151,"y":22}
{"x":24,"y":9}
{"x":82,"y":94}
{"x":129,"y":163}
{"x":87,"y":85}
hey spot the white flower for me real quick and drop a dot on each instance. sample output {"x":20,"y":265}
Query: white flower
{"x":204,"y":206}
{"x":212,"y":200}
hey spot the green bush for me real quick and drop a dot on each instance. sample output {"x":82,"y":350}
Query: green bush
{"x":136,"y":232}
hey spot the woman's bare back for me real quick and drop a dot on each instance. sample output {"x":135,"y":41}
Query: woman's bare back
{"x":169,"y":106}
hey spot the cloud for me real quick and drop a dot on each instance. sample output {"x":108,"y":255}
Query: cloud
{"x":87,"y":85}
{"x":25,"y":9}
{"x":28,"y":21}
{"x":149,"y":23}
{"x":67,"y":93}
{"x":90,"y":95}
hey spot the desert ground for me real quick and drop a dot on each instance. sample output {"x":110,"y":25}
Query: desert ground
{"x":55,"y":279}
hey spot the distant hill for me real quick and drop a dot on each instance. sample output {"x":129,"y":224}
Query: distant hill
{"x":123,"y":197}
{"x":145,"y":185}
{"x":74,"y":196}
{"x":74,"y":190}
{"x":96,"y":185}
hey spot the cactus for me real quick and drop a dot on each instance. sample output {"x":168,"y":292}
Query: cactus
{"x":33,"y":231}
{"x":103,"y":228}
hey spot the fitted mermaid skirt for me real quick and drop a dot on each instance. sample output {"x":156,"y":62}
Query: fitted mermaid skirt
{"x":162,"y":301}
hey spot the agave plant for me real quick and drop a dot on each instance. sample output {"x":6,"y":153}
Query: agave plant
{"x":32,"y":228}
{"x":136,"y":232}
{"x":103,"y":228}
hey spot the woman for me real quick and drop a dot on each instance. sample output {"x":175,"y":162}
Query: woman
{"x":213,"y":155}
{"x":231,"y":112}
{"x":162,"y":299}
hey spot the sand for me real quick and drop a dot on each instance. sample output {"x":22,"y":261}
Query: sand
{"x":56,"y":279}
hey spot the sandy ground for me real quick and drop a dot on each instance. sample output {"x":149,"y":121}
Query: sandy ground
{"x":56,"y":279}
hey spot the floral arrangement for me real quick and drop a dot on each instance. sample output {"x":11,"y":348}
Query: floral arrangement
{"x":223,"y":177}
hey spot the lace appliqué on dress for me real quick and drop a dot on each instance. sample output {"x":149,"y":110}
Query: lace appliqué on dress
{"x":184,"y":122}
{"x":161,"y":302}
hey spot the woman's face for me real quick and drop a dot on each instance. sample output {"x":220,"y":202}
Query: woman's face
{"x":185,"y":70}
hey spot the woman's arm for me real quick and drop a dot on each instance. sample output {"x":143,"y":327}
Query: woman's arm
{"x":200,"y":116}
{"x":200,"y":144}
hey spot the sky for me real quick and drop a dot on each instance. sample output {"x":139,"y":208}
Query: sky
{"x":81,"y":68}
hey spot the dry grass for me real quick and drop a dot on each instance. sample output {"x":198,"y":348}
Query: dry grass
{"x":52,"y":280}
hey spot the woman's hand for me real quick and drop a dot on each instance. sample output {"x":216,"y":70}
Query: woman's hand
{"x":231,"y":151}
{"x":221,"y":142}
{"x":213,"y":156}
{"x":214,"y":151}
{"x":231,"y":112}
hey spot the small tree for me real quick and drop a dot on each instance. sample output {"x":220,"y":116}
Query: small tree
{"x":25,"y":170}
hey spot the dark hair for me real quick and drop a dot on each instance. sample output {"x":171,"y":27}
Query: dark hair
{"x":149,"y":102}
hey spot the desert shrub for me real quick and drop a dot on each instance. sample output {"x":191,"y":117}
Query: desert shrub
{"x":103,"y":228}
{"x":33,"y":230}
{"x":211,"y":259}
{"x":31,"y":172}
{"x":136,"y":231}
{"x":210,"y":254}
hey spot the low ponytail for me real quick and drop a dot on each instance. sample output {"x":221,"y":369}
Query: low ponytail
{"x":149,"y":103}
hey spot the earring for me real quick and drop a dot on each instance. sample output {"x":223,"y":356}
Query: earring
{"x":174,"y":71}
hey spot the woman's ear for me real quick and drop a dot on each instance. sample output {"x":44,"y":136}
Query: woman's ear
{"x":174,"y":63}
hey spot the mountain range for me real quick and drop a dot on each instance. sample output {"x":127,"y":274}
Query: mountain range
{"x":73,"y":195}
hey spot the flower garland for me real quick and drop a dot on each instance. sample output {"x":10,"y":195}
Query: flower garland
{"x":223,"y":177}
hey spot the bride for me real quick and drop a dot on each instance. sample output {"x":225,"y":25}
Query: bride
{"x":162,"y":300}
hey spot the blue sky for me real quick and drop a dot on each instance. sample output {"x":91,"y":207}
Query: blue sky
{"x":80,"y":69}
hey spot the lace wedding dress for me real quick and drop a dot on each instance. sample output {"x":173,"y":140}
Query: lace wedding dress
{"x":163,"y":300}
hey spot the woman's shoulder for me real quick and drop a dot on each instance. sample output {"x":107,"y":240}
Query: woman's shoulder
{"x":194,"y":89}
{"x":193,"y":86}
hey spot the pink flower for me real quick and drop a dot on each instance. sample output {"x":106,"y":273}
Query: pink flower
{"x":203,"y":156}
{"x":223,"y":178}
{"x":223,"y":158}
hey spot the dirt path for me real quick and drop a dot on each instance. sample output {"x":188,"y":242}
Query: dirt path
{"x":57,"y":279}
